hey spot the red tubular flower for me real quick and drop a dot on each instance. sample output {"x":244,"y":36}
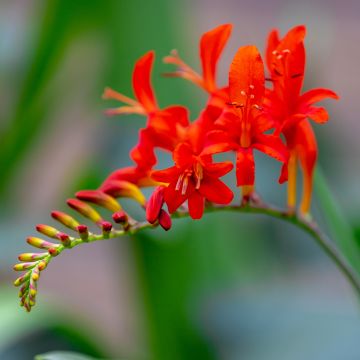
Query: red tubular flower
{"x":289,"y":109}
{"x":194,"y":178}
{"x":212,"y":44}
{"x":242,"y":127}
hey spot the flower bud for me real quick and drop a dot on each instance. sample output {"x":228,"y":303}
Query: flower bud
{"x":122,"y":188}
{"x":99,"y":198}
{"x":164,"y":220}
{"x":84,"y":209}
{"x":53,"y":252}
{"x":155,"y":204}
{"x":120,"y":217}
{"x":24,"y":266}
{"x":20,"y":280}
{"x":83,"y":232}
{"x":65,"y":219}
{"x":64,"y":238}
{"x":40,"y":243}
{"x":47,"y":230}
{"x":106,"y":228}
{"x":32,"y":256}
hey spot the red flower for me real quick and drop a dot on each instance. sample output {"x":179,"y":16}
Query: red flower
{"x":164,"y":126}
{"x":193,"y":178}
{"x":242,"y":127}
{"x":289,"y":109}
{"x":212,"y":44}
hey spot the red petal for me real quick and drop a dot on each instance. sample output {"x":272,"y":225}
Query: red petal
{"x":245,"y":167}
{"x":142,"y":82}
{"x":167,"y":175}
{"x":246,"y":69}
{"x":216,"y":191}
{"x":272,"y":43}
{"x":183,"y":155}
{"x":212,"y":44}
{"x":218,"y":169}
{"x":318,"y":114}
{"x":196,"y":205}
{"x":315,"y":95}
{"x":272,"y":146}
{"x":174,"y":198}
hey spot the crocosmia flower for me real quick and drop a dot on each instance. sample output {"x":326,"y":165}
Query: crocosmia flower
{"x":290,"y":109}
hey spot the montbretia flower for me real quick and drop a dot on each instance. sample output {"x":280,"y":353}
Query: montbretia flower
{"x":194,"y":178}
{"x":290,"y":110}
{"x":241,"y":128}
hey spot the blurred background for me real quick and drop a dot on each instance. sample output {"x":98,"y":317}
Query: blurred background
{"x":226,"y":287}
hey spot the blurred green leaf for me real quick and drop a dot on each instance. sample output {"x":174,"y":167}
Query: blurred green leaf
{"x":339,"y":227}
{"x":63,"y":355}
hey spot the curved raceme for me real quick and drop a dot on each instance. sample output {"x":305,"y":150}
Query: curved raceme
{"x":258,"y":109}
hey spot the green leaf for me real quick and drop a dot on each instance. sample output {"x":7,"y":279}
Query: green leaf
{"x":63,"y":355}
{"x":340,"y":230}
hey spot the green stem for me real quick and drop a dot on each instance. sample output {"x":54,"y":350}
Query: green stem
{"x":305,"y":223}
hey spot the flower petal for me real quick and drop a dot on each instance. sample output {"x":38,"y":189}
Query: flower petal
{"x":272,"y":146}
{"x":315,"y":95}
{"x":142,"y":82}
{"x":218,"y":169}
{"x":212,"y":44}
{"x":166,"y":175}
{"x":183,"y":155}
{"x":246,"y":72}
{"x":216,"y":191}
{"x":318,"y":114}
{"x":245,"y":167}
{"x":196,"y":205}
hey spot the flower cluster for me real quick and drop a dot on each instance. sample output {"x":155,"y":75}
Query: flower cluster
{"x":252,"y":112}
{"x":240,"y":117}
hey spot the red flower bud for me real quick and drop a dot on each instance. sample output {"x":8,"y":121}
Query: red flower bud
{"x":155,"y":204}
{"x":164,"y":220}
{"x":99,"y":198}
{"x":84,"y":209}
{"x":65,"y":219}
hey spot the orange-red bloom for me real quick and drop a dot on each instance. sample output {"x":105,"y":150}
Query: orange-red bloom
{"x":194,"y":178}
{"x":242,"y":127}
{"x":289,"y":110}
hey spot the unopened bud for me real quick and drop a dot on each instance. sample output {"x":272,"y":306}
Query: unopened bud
{"x":155,"y":204}
{"x":84,"y":209}
{"x":106,"y":228}
{"x":120,"y":217}
{"x":99,"y":198}
{"x":53,"y":252}
{"x":40,"y":243}
{"x":42,"y":265}
{"x":65,"y":219}
{"x":83,"y":232}
{"x":20,"y":280}
{"x":64,"y":238}
{"x":32,"y":256}
{"x":24,"y":266}
{"x":47,"y":230}
{"x":122,"y":188}
{"x":164,"y":220}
